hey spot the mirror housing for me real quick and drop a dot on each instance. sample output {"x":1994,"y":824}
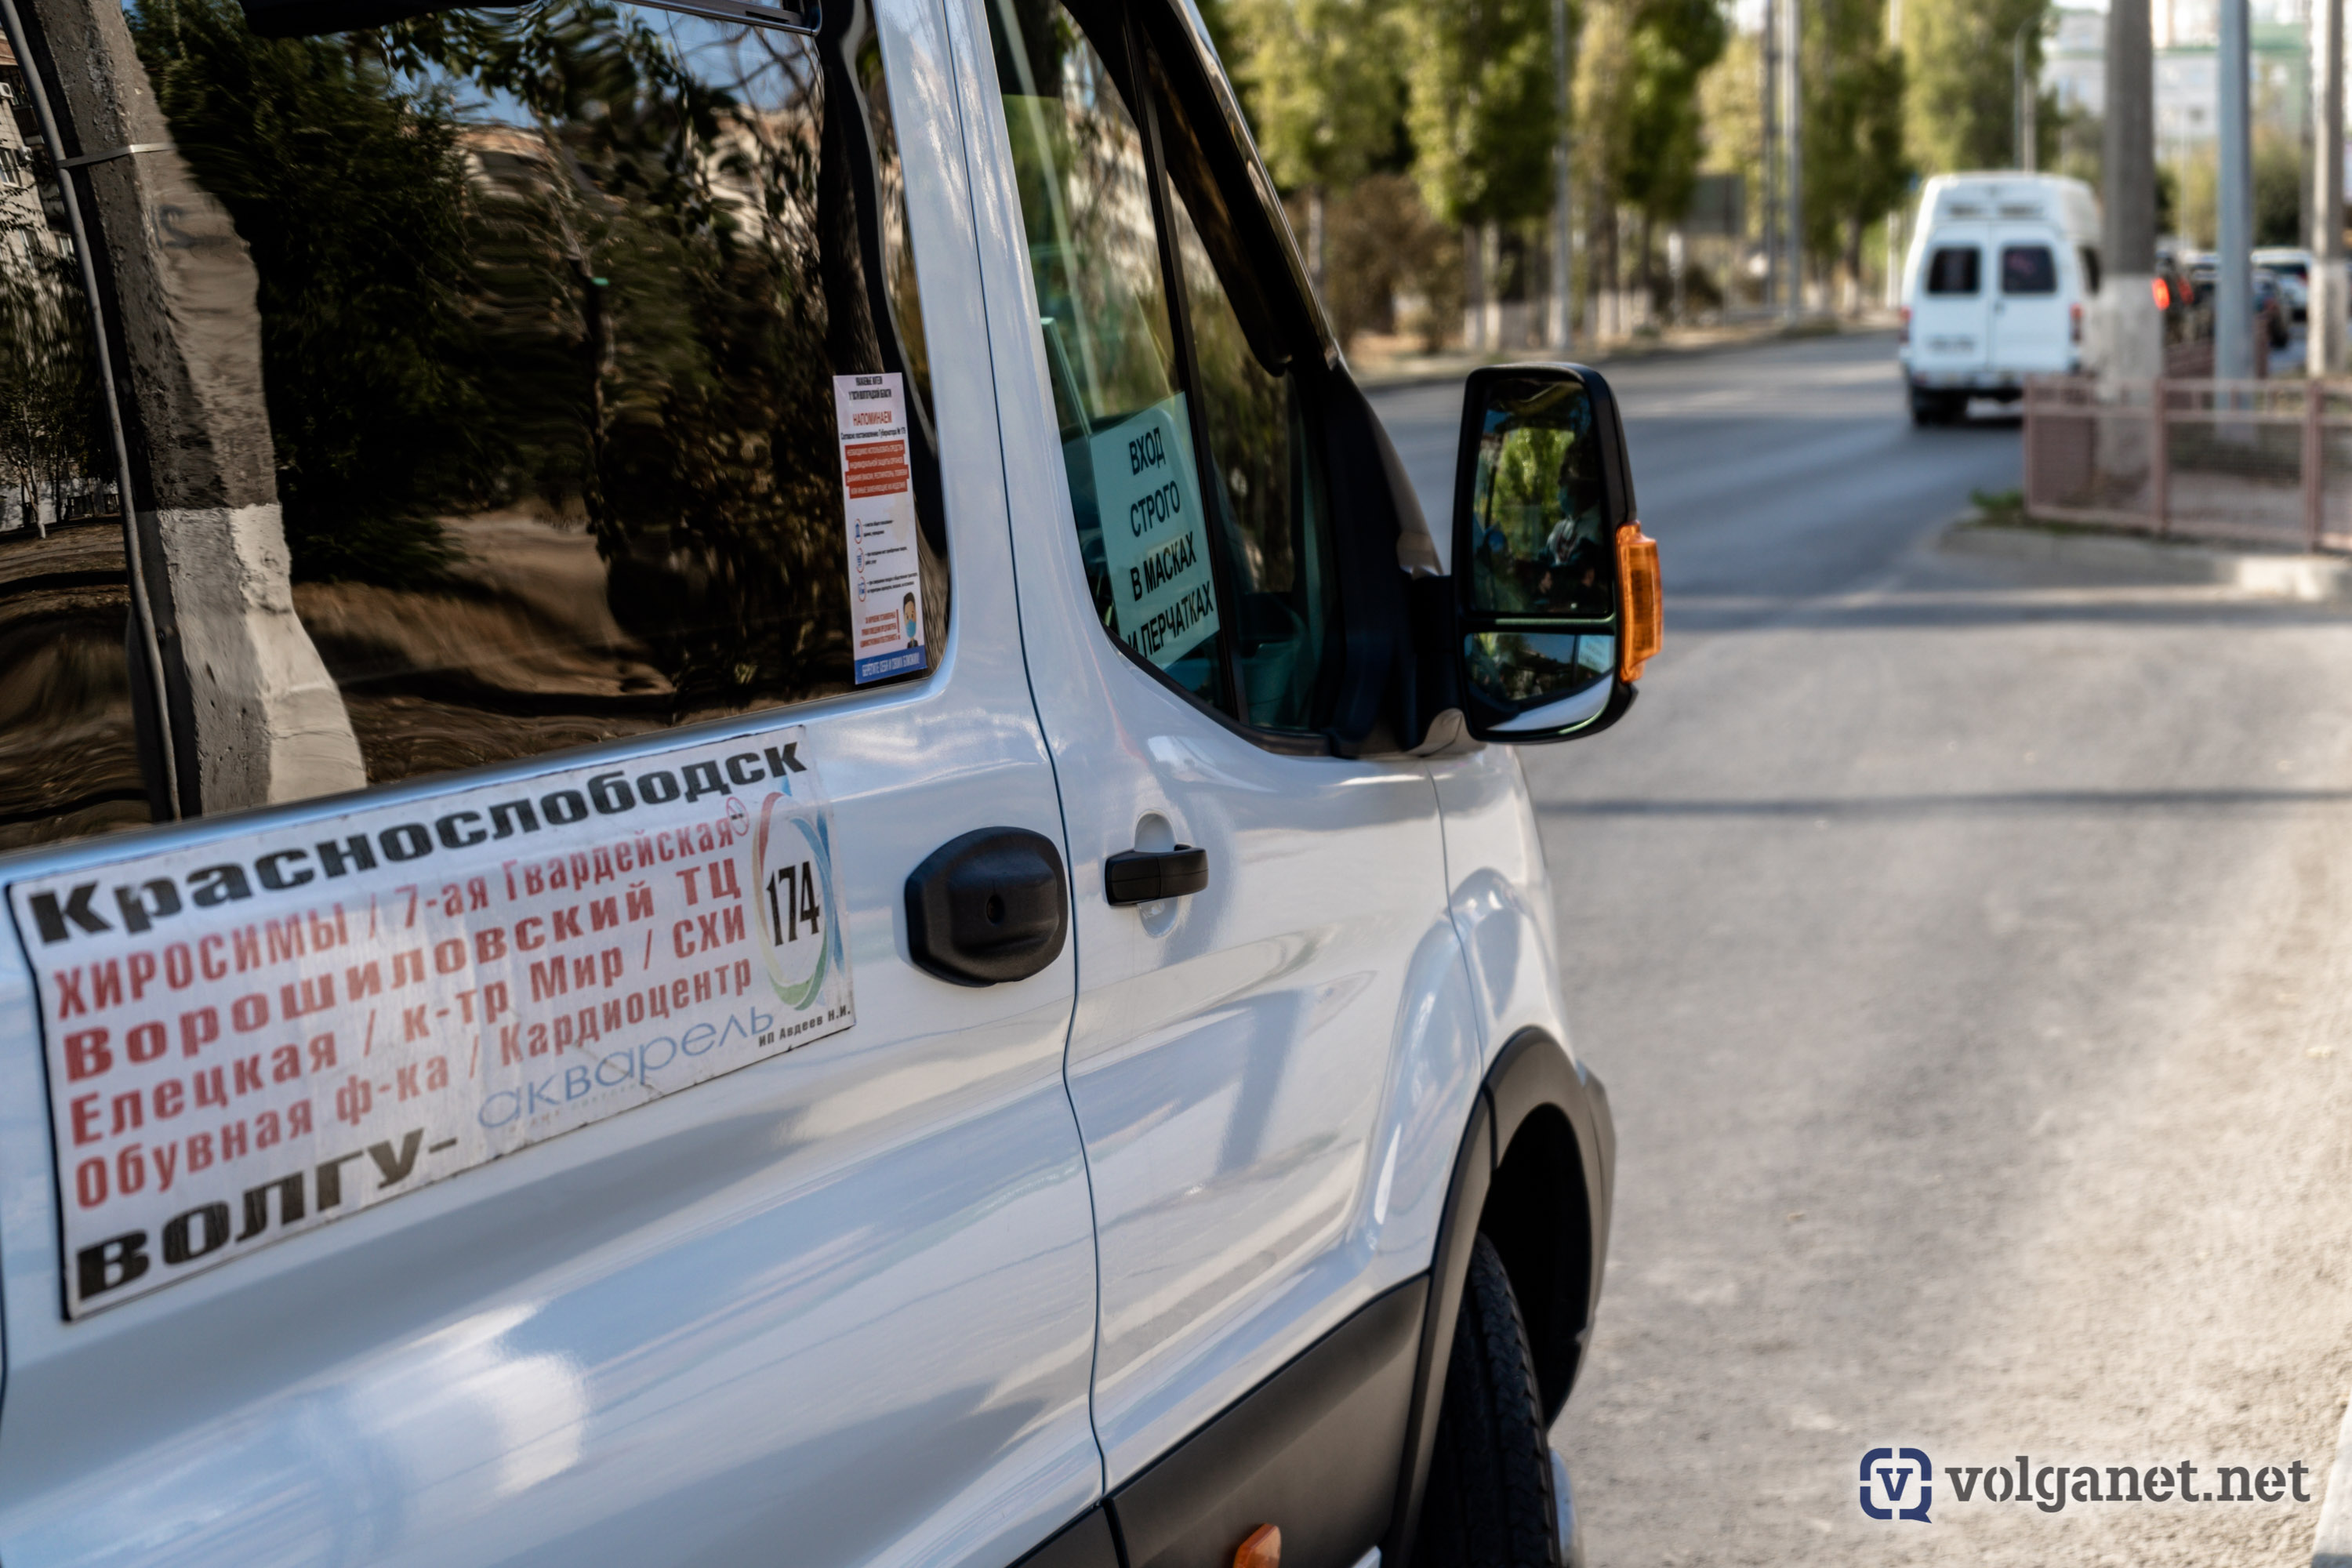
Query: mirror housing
{"x":1556,"y":607}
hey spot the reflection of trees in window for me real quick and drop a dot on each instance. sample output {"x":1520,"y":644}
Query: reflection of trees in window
{"x":52,"y":433}
{"x":1542,"y":545}
{"x":68,"y":752}
{"x":53,"y":444}
{"x":1086,"y":195}
{"x":569,"y":272}
{"x":350,"y":194}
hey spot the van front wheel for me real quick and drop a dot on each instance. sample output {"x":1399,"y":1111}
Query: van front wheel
{"x":1489,"y":1503}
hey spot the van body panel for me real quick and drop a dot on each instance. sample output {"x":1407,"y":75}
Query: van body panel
{"x":1950,"y":325}
{"x":1271,"y":1074}
{"x":836,"y":1306}
{"x":2034,"y":279}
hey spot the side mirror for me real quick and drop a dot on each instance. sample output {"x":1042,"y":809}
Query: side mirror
{"x":1555,"y":586}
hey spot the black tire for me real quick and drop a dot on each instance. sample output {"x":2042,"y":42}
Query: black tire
{"x":1936,"y":408}
{"x":1489,"y":1503}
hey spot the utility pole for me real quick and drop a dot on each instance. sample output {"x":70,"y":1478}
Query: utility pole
{"x":1563,"y":224}
{"x":2024,"y":128}
{"x":1895,"y":213}
{"x":1792,"y":184}
{"x":2234,"y":294}
{"x":1769,"y":89}
{"x":2129,"y":343}
{"x":2324,"y":311}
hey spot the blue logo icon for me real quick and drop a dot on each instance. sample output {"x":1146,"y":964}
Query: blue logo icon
{"x":1896,"y":1483}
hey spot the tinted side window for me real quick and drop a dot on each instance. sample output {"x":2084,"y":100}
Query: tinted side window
{"x":1189,"y":444}
{"x":2028,"y":270}
{"x":570,"y":318}
{"x":1264,"y":495}
{"x":69,"y":757}
{"x":1952,"y":269}
{"x":2090,"y":259}
{"x":1110,"y":346}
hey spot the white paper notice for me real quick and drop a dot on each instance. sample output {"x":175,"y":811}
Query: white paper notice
{"x":1153,"y":543}
{"x":258,"y":1036}
{"x":886,"y":576}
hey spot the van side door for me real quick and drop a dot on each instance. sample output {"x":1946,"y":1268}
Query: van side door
{"x":1272,"y":1041}
{"x":2036,"y":277}
{"x":550,"y":1149}
{"x":1951,"y":306}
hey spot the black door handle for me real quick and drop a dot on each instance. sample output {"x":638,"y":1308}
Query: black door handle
{"x":1140,"y":875}
{"x":990,"y":906}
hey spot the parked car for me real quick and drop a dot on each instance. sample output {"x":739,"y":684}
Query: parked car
{"x":2270,"y":305}
{"x":747,"y":820}
{"x":2000,"y":268}
{"x":2291,"y":268}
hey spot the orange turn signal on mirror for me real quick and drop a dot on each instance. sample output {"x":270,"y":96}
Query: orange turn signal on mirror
{"x":1643,"y":627}
{"x":1263,"y":1549}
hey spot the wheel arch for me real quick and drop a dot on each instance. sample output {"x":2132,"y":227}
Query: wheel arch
{"x":1535,"y":1163}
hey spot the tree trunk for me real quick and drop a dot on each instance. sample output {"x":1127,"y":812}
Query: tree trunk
{"x":1616,"y":286}
{"x":1314,"y":243}
{"x":1490,"y":246}
{"x":1474,"y":288}
{"x":1853,"y":260}
{"x":1648,"y":281}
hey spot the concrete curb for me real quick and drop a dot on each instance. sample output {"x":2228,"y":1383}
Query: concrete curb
{"x":2305,"y":579}
{"x":1453,"y":367}
{"x":2331,"y":1543}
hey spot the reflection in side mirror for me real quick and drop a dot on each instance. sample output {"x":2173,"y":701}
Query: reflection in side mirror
{"x":1555,"y":588}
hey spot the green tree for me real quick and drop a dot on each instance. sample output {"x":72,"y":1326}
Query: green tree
{"x":1671,"y":45}
{"x":1732,"y":114}
{"x":1482,"y":109}
{"x":1856,"y":169}
{"x":1959,"y":111}
{"x":1484,"y":114}
{"x":1602,"y":112}
{"x":2278,"y":193}
{"x":1325,"y":86}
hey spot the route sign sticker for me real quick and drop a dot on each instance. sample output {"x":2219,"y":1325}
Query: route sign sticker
{"x":257,"y":1035}
{"x":1149,"y":498}
{"x":885,"y":572}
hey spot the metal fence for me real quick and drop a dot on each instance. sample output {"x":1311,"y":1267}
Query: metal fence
{"x":2265,"y":462}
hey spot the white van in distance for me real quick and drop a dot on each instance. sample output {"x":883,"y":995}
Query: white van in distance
{"x":2002,"y":266}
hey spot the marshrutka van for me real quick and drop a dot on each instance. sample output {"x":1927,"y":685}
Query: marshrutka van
{"x":746,"y":819}
{"x":2000,"y":274}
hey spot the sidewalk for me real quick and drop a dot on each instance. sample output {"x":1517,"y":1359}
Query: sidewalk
{"x":1451,"y":364}
{"x":2261,"y":573}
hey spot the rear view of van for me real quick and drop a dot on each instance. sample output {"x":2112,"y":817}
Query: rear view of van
{"x":2001,"y":270}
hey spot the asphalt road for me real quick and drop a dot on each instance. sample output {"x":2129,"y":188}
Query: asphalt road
{"x":1965,"y":947}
